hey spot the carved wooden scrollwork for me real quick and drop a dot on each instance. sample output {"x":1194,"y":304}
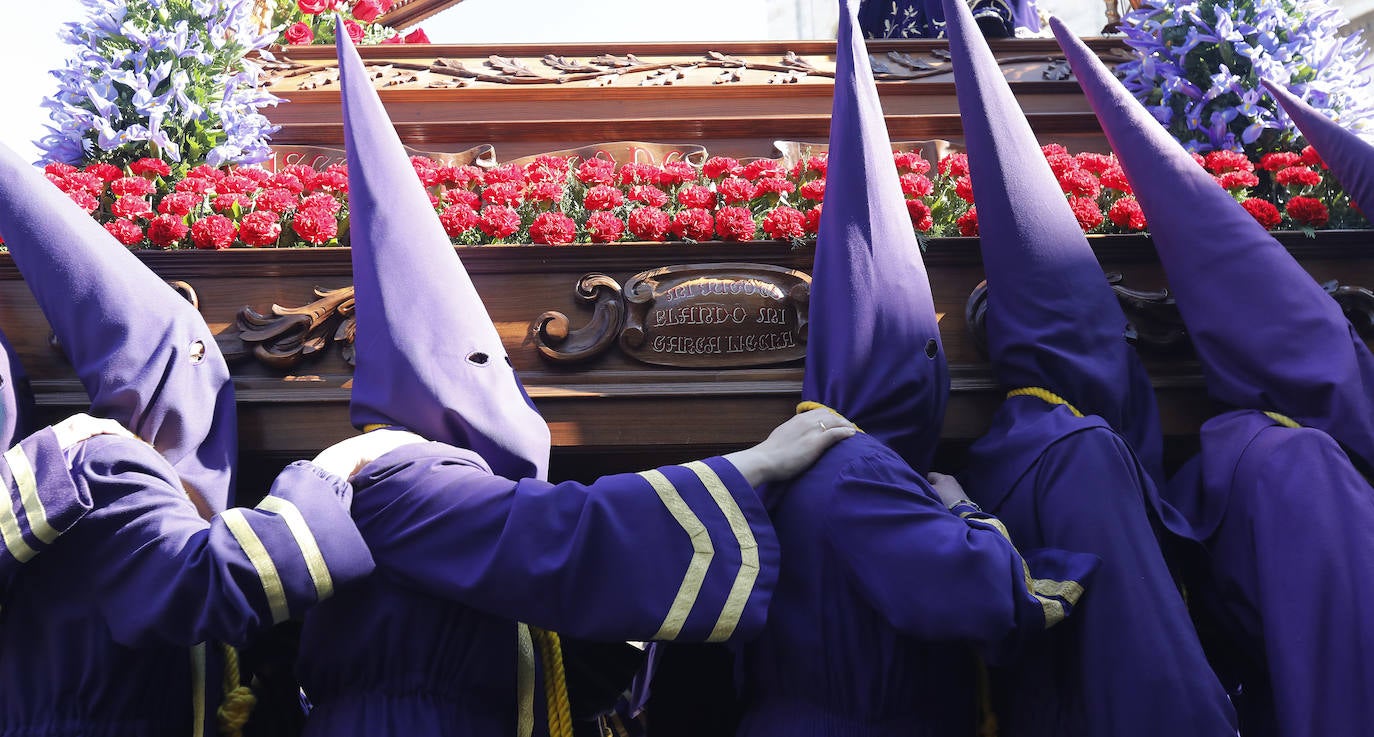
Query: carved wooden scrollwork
{"x":289,"y":335}
{"x":1154,"y":322}
{"x":557,"y":341}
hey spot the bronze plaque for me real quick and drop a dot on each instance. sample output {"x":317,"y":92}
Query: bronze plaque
{"x":716,"y":315}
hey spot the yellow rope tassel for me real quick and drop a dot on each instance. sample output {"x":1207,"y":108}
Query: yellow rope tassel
{"x":1284,"y":420}
{"x":238,"y":701}
{"x":1044,"y":395}
{"x":809,"y":405}
{"x":555,"y":682}
{"x":987,"y":726}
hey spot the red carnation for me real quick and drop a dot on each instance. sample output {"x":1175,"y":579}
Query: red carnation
{"x":166,"y":230}
{"x":1312,"y":158}
{"x":1053,"y":149}
{"x":695,"y":224}
{"x":968,"y":223}
{"x":1237,"y":179}
{"x":313,"y":7}
{"x":954,"y":165}
{"x":195,"y":185}
{"x":1085,"y":209}
{"x":1280,"y":160}
{"x":761,"y":168}
{"x":462,"y":197}
{"x":605,"y":227}
{"x":215,"y":232}
{"x":603,"y":197}
{"x":547,"y":168}
{"x":153,"y":166}
{"x":919,"y":211}
{"x":697,"y":196}
{"x":236,"y":184}
{"x":504,"y":173}
{"x":506,"y":194}
{"x":61,"y":170}
{"x":781,"y":223}
{"x":259,"y":174}
{"x":720,"y":166}
{"x":1307,"y":211}
{"x":553,"y":229}
{"x":813,"y":220}
{"x":227,"y":202}
{"x":736,"y":190}
{"x":596,"y":171}
{"x":498,"y":221}
{"x":321,"y":201}
{"x":1300,"y":175}
{"x":275,"y":200}
{"x":1263,"y":211}
{"x":963,"y":187}
{"x":315,"y":226}
{"x":1126,"y":214}
{"x":633,"y":173}
{"x":1062,"y":164}
{"x":820,"y":164}
{"x":912,"y":161}
{"x":106,"y":172}
{"x":458,"y":219}
{"x":1222,"y":161}
{"x":367,"y":10}
{"x":651,"y":196}
{"x":732,"y":224}
{"x":1080,"y":183}
{"x":85,"y":200}
{"x":131,"y":207}
{"x":648,"y":223}
{"x":417,"y":36}
{"x":677,"y":172}
{"x":428,"y":170}
{"x":1095,"y":163}
{"x":181,"y":203}
{"x":1115,"y":178}
{"x":282,"y":180}
{"x":205,"y":171}
{"x":462,"y":176}
{"x":125,"y":231}
{"x":299,"y":34}
{"x":261,"y":228}
{"x":544,"y":192}
{"x":916,"y":185}
{"x":813,"y":190}
{"x":773,"y":186}
{"x":85,"y":181}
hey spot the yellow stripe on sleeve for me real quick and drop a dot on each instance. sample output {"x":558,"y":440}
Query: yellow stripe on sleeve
{"x":10,"y":533}
{"x":261,"y":560}
{"x":22,"y":471}
{"x":305,"y":540}
{"x":702,"y":553}
{"x":748,"y":573}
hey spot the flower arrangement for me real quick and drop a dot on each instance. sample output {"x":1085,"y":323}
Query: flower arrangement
{"x":312,"y":22}
{"x":1199,"y":63}
{"x":560,"y":201}
{"x":162,"y":79}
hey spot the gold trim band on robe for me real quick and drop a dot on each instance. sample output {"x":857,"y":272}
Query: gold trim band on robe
{"x":261,"y":560}
{"x":702,"y":553}
{"x":305,"y":540}
{"x":748,"y":573}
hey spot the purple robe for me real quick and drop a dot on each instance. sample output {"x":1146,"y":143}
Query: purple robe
{"x":1072,"y":482}
{"x":428,"y":645}
{"x":99,"y":635}
{"x":1292,"y":619}
{"x":884,"y":601}
{"x":926,"y":18}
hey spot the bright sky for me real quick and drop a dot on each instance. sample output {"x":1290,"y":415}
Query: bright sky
{"x":29,"y":45}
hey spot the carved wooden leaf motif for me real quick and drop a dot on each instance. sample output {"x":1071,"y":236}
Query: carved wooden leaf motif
{"x":611,"y":60}
{"x":792,"y":61}
{"x":564,"y":64}
{"x":726,"y":60}
{"x":908,"y":60}
{"x":289,"y":335}
{"x":1057,"y":71}
{"x":510,"y":66}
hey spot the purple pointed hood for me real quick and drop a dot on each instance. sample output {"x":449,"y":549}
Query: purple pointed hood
{"x":1053,"y":322}
{"x":428,"y":357}
{"x":1350,"y":157}
{"x":873,"y":349}
{"x":144,"y":354}
{"x":1268,"y":337}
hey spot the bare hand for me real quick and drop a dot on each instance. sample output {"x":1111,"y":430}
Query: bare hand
{"x":82,"y":426}
{"x":947,"y":487}
{"x":792,"y":446}
{"x":347,"y":457}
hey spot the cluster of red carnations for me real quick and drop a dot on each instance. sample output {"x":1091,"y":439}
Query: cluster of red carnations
{"x":560,"y":201}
